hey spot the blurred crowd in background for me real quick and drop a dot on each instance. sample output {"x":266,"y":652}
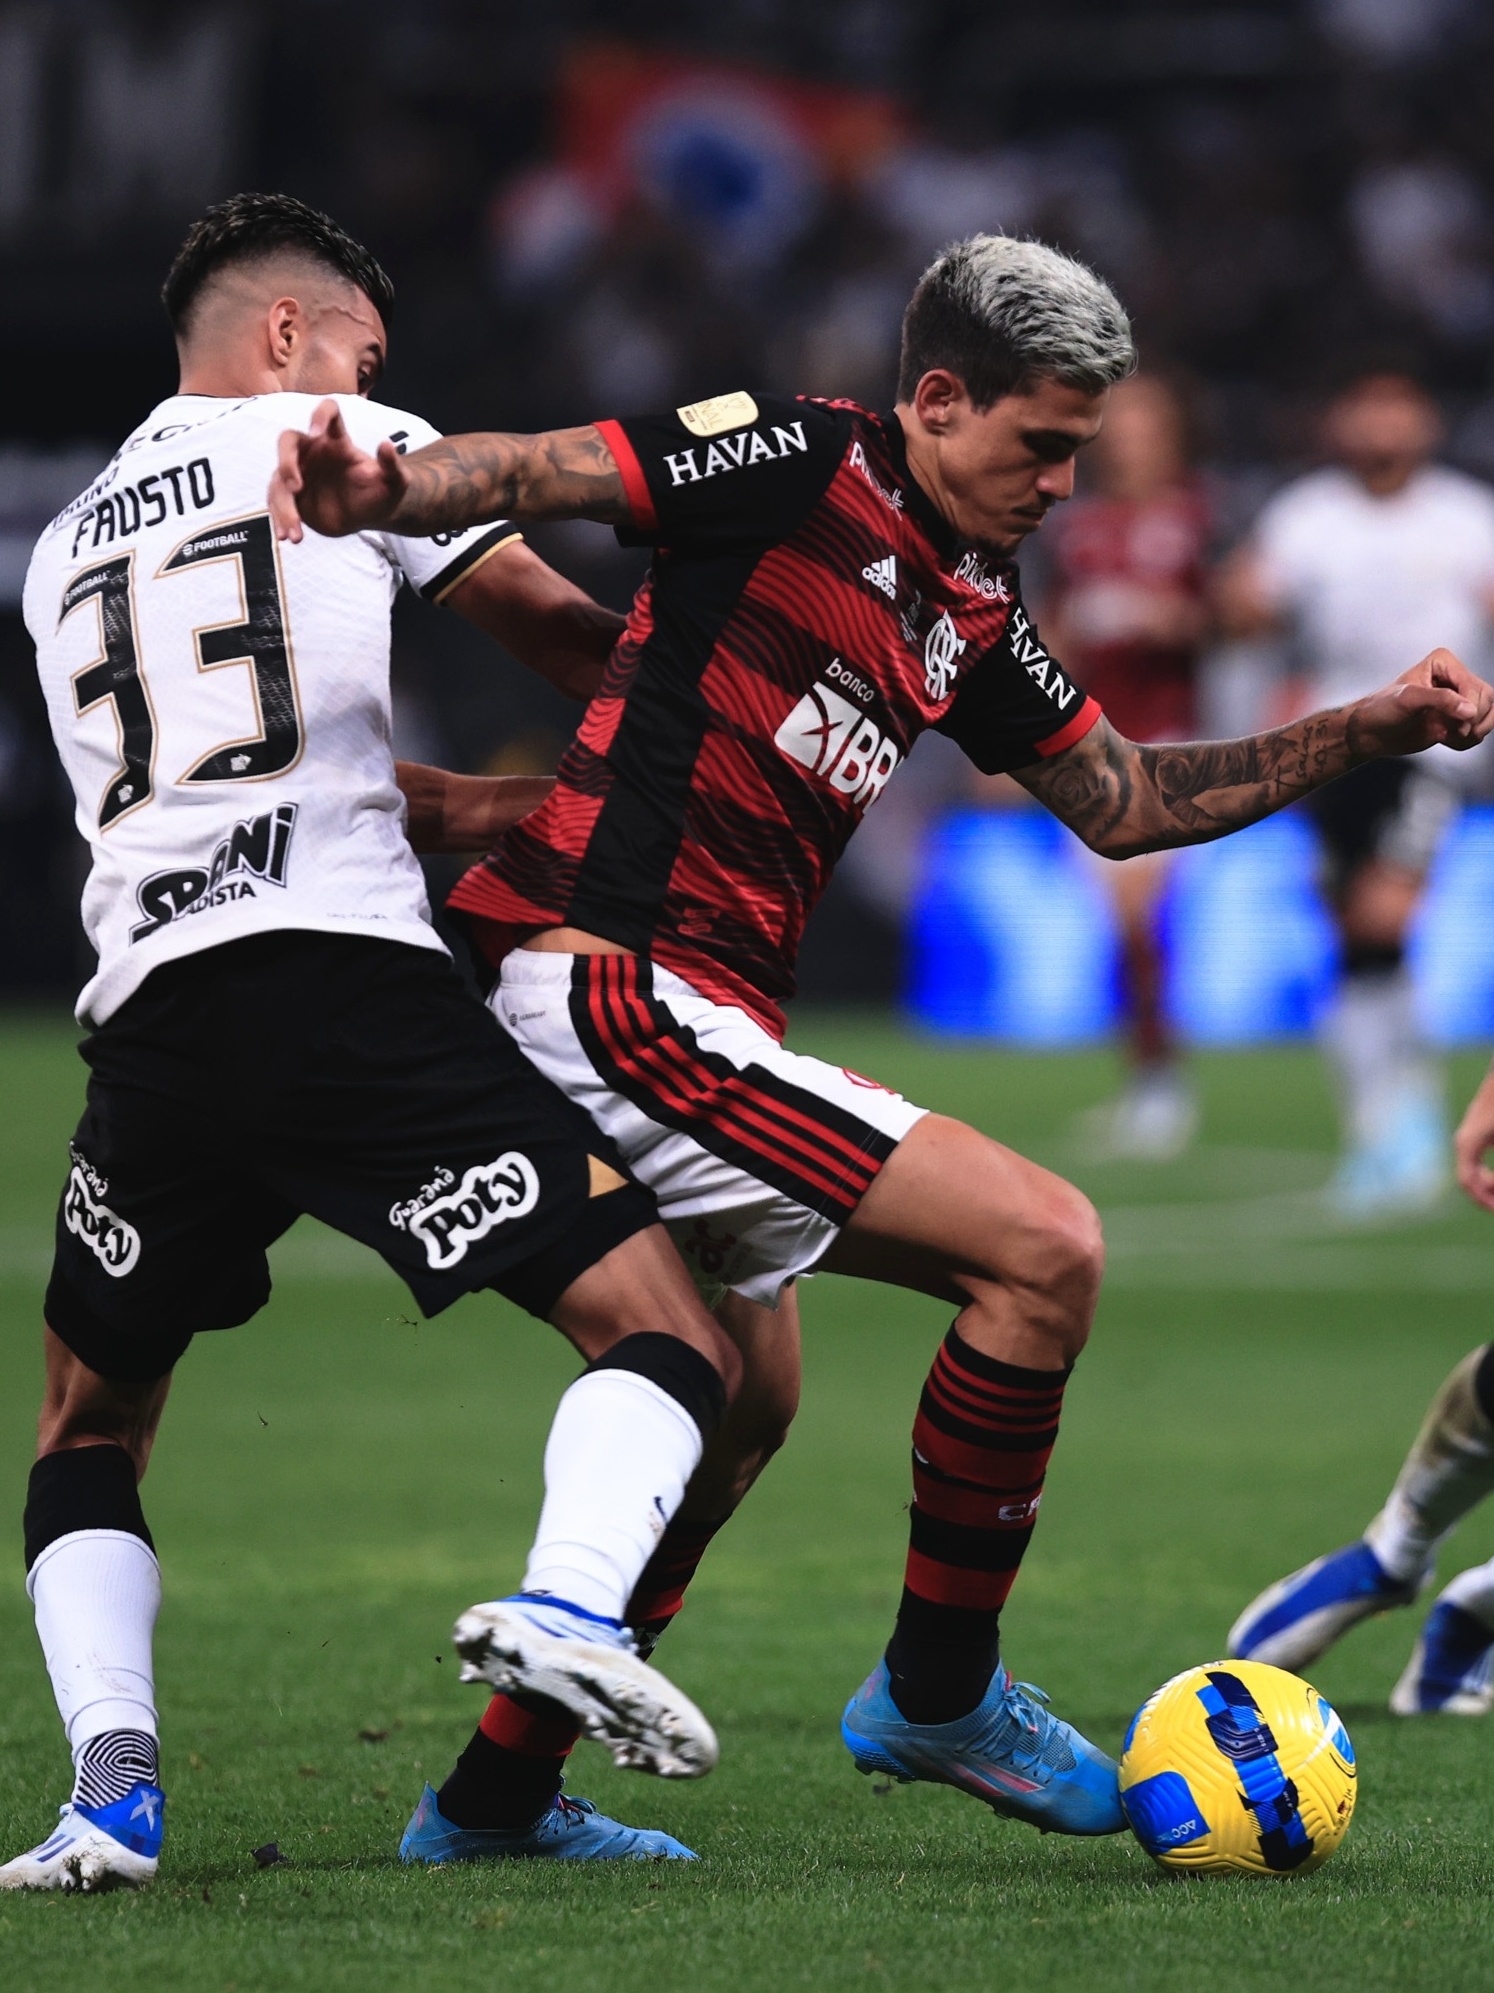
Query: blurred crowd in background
{"x":592,"y":208}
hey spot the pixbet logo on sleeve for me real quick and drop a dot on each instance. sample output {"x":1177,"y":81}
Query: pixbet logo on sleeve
{"x":829,"y":735}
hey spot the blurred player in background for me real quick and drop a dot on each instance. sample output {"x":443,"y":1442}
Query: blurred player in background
{"x":1375,"y":557}
{"x":1448,"y":1472}
{"x":1127,"y":607}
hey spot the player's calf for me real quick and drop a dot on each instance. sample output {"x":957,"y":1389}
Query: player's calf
{"x":95,"y":1585}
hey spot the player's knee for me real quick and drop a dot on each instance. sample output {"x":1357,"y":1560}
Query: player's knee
{"x":1064,"y":1259}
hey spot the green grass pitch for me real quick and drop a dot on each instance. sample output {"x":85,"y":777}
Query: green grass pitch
{"x":334,"y":1483}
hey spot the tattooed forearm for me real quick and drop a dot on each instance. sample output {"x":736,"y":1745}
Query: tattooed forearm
{"x":465,"y":480}
{"x":1122,"y":798}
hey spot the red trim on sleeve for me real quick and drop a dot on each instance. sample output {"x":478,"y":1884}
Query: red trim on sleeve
{"x":635,"y":484}
{"x":1076,"y":729}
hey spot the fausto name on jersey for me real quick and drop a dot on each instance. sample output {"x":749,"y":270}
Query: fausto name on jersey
{"x":120,"y":514}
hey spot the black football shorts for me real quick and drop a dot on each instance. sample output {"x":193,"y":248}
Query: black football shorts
{"x":1392,"y":810}
{"x":352,"y":1078}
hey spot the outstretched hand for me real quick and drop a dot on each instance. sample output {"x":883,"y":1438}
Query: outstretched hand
{"x":1472,"y":1143}
{"x":323,"y":480}
{"x":1437,"y":703}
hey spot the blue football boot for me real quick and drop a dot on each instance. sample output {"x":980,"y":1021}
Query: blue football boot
{"x":1300,"y":1616}
{"x":1451,"y":1670}
{"x":1008,"y":1751}
{"x":94,"y":1848}
{"x":571,"y":1830}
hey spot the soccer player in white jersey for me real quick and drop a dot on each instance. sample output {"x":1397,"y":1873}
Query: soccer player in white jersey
{"x":275,"y":1028}
{"x":1361,"y":562}
{"x":1448,"y":1472}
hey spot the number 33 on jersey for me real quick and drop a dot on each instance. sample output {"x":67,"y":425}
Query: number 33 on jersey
{"x":221,"y":703}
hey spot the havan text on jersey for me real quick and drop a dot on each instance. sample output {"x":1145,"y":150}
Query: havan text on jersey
{"x":801,"y":626}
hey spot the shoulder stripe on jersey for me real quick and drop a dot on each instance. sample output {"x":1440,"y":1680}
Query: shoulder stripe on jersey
{"x":469,"y":559}
{"x":784,"y":1135}
{"x":635,"y":484}
{"x":1066,"y":736}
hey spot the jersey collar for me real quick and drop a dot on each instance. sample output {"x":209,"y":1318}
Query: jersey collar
{"x":947,"y":542}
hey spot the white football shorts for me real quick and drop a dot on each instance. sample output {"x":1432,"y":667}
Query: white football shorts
{"x":757,"y":1155}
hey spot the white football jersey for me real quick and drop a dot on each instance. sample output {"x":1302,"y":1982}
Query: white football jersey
{"x":221,"y":701}
{"x":1370,"y":585}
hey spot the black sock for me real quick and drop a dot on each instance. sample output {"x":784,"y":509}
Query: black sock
{"x":496,"y":1785}
{"x":940,"y":1660}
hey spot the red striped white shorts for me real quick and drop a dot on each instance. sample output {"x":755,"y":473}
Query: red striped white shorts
{"x":757,"y":1155}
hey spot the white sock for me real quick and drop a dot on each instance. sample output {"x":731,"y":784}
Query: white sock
{"x":1377,"y":1049}
{"x":1448,"y":1471}
{"x":616,"y":1463}
{"x":96,"y":1594}
{"x":1473,"y":1591}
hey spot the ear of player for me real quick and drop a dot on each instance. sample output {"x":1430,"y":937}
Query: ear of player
{"x":1236,"y":1768}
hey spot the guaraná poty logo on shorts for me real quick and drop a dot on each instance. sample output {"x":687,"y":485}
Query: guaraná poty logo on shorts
{"x":488,"y":1195}
{"x":113,"y":1243}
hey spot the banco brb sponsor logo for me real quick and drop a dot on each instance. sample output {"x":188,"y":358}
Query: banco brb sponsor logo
{"x":489,"y":1194}
{"x":829,"y":735}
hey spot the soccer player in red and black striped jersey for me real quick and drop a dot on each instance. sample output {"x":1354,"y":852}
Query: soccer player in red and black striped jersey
{"x":827,"y":583}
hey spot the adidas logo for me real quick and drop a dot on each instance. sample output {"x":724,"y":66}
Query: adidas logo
{"x":883,"y":575}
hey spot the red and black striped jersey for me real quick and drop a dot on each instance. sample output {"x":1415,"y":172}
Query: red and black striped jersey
{"x":807,"y":615}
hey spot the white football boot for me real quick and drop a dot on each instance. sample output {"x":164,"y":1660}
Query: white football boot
{"x":537,"y":1645}
{"x":96,"y":1848}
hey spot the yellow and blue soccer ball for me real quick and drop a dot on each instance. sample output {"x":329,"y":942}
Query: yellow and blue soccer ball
{"x":1237,"y":1768}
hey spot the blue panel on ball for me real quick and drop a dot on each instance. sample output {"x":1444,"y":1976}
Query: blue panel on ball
{"x":1338,"y":1737}
{"x":1163,"y":1813}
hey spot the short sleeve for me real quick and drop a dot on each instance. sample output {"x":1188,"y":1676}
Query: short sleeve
{"x":435,"y":564}
{"x":1017,"y":704}
{"x":736,"y":470}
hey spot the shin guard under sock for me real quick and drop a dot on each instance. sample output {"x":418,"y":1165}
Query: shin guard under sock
{"x":96,"y":1588}
{"x":981,"y":1444}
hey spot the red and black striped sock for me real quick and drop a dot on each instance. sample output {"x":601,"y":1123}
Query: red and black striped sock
{"x":981,"y":1444}
{"x":511,"y":1771}
{"x":660,"y":1591}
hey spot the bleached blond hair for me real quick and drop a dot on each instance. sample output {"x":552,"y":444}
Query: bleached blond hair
{"x":1002,"y":312}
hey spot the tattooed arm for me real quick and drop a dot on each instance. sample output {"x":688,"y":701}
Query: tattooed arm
{"x":1123,"y":798}
{"x":323,"y":480}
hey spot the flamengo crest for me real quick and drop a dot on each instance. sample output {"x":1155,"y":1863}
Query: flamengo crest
{"x":941,"y":657}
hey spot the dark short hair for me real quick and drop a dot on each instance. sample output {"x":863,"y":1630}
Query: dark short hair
{"x":249,"y":228}
{"x":1002,"y":313}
